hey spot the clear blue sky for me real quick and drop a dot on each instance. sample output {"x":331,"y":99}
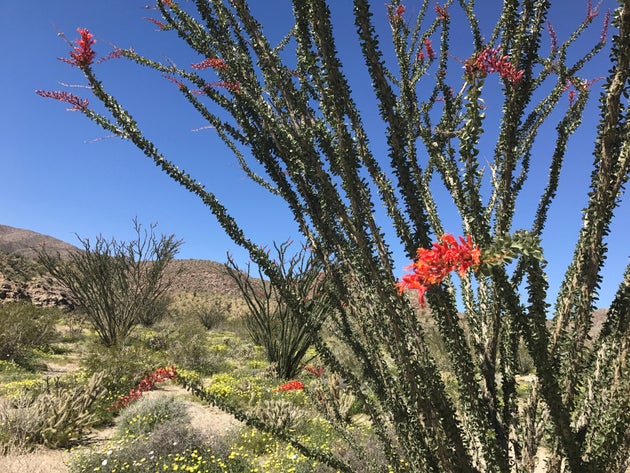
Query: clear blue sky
{"x":61,"y":175}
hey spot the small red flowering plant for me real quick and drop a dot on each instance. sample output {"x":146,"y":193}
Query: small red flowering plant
{"x":146,"y":384}
{"x":293,"y":385}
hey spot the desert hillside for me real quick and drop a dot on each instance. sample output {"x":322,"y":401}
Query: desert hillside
{"x":18,"y":241}
{"x":19,"y":281}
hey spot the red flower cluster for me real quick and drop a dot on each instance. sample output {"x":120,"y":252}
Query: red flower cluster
{"x":158,"y":23}
{"x":294,"y":385}
{"x":396,"y":14}
{"x":433,"y":265}
{"x":430,"y":52}
{"x":314,"y":371}
{"x":591,"y":12}
{"x":77,"y":102}
{"x":213,"y":62}
{"x":552,"y":36}
{"x":489,"y":60}
{"x":604,"y":34}
{"x":83,"y":54}
{"x":146,"y":384}
{"x":234,"y":87}
{"x":571,"y":85}
{"x":442,"y":13}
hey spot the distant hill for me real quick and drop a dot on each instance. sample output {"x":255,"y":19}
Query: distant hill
{"x":18,"y":241}
{"x":193,"y":275}
{"x":202,"y":276}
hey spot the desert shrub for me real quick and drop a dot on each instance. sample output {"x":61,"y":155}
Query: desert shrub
{"x":121,"y":367}
{"x":117,"y":283}
{"x":154,"y":311}
{"x":271,"y":323}
{"x":334,"y":398}
{"x":173,"y":446}
{"x":24,"y":327}
{"x":18,"y":420}
{"x":209,"y":309}
{"x":187,"y":346}
{"x":145,"y":415}
{"x":175,"y":433}
{"x":235,"y":391}
{"x":56,"y":416}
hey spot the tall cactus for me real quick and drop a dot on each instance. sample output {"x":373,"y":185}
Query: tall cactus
{"x":291,"y":104}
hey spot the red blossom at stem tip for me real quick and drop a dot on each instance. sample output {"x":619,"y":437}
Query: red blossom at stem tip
{"x":552,"y":36}
{"x":83,"y":54}
{"x":430,"y":52}
{"x":604,"y":34}
{"x":442,"y":13}
{"x":396,"y":14}
{"x":211,"y":62}
{"x":77,"y":102}
{"x":490,"y":60}
{"x":158,"y":23}
{"x":175,"y":81}
{"x":429,"y":49}
{"x":433,"y":265}
{"x":591,"y":12}
{"x":581,"y":85}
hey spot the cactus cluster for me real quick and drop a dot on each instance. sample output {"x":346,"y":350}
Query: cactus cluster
{"x":57,"y":416}
{"x":280,"y":414}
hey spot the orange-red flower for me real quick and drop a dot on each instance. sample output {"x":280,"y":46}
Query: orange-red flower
{"x":146,"y":384}
{"x":290,"y":386}
{"x":433,"y":265}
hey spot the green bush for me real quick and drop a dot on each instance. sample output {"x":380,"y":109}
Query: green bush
{"x":190,"y":346}
{"x":153,"y":311}
{"x":24,"y":327}
{"x":173,"y":446}
{"x":121,"y":367}
{"x":145,"y":415}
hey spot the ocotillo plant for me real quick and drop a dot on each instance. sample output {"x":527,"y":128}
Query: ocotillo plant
{"x":285,"y":334}
{"x":117,"y":284}
{"x":291,"y":105}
